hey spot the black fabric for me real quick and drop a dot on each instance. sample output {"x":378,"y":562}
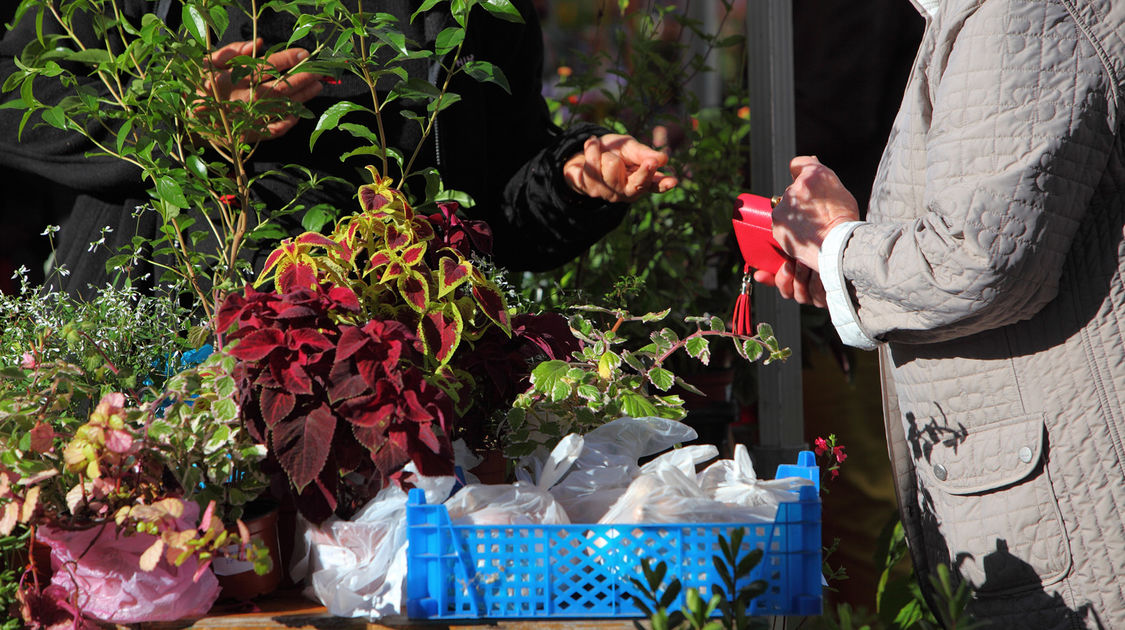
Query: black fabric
{"x":500,"y":148}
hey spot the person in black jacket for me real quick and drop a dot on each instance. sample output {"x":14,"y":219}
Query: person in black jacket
{"x":547,"y":193}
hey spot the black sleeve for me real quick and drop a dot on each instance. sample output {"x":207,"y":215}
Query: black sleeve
{"x":57,"y":155}
{"x":537,"y":220}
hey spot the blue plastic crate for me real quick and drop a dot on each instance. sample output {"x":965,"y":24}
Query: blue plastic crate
{"x":582,"y":571}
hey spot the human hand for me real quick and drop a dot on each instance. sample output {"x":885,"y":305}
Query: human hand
{"x":811,"y":206}
{"x":615,"y":167}
{"x":298,"y":87}
{"x":795,"y":281}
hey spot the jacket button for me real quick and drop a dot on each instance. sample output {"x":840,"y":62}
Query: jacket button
{"x":940,"y":472}
{"x":1025,"y":455}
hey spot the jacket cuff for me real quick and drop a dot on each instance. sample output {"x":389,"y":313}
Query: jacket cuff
{"x":840,"y":306}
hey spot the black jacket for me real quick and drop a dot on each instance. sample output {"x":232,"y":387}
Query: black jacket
{"x":500,"y":148}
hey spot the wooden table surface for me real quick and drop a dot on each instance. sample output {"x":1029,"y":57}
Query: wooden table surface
{"x":290,"y":610}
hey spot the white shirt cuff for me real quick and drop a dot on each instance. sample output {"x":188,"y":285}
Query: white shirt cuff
{"x":840,"y":307}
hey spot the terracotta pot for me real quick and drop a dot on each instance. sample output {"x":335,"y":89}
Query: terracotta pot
{"x":237,"y":578}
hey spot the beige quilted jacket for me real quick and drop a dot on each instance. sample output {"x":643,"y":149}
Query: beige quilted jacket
{"x":993,"y":265}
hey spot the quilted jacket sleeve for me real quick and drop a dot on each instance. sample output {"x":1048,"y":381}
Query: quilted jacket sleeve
{"x":1022,"y":124}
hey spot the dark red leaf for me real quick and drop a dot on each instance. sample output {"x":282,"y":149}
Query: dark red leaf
{"x":440,"y":334}
{"x":352,"y":340}
{"x":296,"y":380}
{"x":344,"y":298}
{"x":258,"y":344}
{"x":492,"y":304}
{"x":413,"y":287}
{"x":302,"y":445}
{"x":305,"y":338}
{"x":349,"y":387}
{"x":275,"y":405}
{"x":296,"y":276}
{"x":371,"y":200}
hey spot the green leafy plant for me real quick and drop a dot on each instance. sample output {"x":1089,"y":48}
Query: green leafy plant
{"x":731,"y":598}
{"x":149,"y":94}
{"x":611,"y":375}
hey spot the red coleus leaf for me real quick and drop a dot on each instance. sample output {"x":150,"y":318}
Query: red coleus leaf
{"x":378,"y":259}
{"x":395,"y":238}
{"x":491,"y":303}
{"x":306,"y":338}
{"x":315,"y":238}
{"x":344,"y":299}
{"x":427,"y":436}
{"x":423,"y":230}
{"x":275,"y":405}
{"x":258,"y":344}
{"x":302,"y":445}
{"x":296,"y":380}
{"x":372,"y":198}
{"x":440,"y":333}
{"x":413,"y":255}
{"x":352,"y":340}
{"x":394,"y":270}
{"x":389,"y":456}
{"x":377,"y":410}
{"x":414,"y":289}
{"x":296,"y":276}
{"x":349,"y":387}
{"x":452,"y":272}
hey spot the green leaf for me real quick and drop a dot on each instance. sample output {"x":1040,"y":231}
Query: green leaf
{"x":660,"y":378}
{"x":698,"y":347}
{"x":331,"y":118}
{"x":549,"y":377}
{"x":195,"y":23}
{"x":503,"y":9}
{"x":123,"y":133}
{"x":485,"y":72}
{"x":449,"y":39}
{"x":637,"y":406}
{"x":196,"y":166}
{"x":168,"y":191}
{"x":91,"y":56}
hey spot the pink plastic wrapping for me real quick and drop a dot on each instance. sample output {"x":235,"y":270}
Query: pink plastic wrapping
{"x":102,"y":565}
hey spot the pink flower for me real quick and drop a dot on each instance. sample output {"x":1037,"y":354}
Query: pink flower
{"x":821,"y":446}
{"x":27,"y":361}
{"x":834,"y":473}
{"x":838,"y":451}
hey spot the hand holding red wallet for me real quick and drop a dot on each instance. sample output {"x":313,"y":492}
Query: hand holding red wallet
{"x":753,"y":228}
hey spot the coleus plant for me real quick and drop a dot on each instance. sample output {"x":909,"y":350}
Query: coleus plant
{"x":342,"y":406}
{"x":400,"y":268}
{"x":372,"y":343}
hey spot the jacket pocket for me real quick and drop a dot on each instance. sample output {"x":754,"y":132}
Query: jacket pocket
{"x":992,"y":511}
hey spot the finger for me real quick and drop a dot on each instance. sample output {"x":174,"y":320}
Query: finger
{"x":288,"y":58}
{"x":636,"y":152}
{"x":615,"y":176}
{"x":299,"y":87}
{"x":816,"y":289}
{"x":783,"y":280}
{"x":801,"y":292}
{"x":765,"y":277}
{"x":664,"y":183}
{"x":800,"y":163}
{"x":640,"y":180}
{"x":281,"y":127}
{"x":221,"y":57}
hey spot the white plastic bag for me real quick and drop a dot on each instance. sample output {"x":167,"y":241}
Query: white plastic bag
{"x":357,"y":567}
{"x":525,"y":502}
{"x":667,"y":491}
{"x":734,"y":481}
{"x":608,"y":463}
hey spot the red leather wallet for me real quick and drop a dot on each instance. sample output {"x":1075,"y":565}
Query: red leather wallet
{"x":753,"y":228}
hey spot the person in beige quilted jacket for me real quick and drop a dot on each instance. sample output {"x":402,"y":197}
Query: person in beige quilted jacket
{"x":990,"y":275}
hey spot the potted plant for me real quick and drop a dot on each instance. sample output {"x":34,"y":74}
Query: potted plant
{"x":81,"y":465}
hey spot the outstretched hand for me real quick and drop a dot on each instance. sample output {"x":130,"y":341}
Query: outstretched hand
{"x":297,"y":87}
{"x":615,"y":168}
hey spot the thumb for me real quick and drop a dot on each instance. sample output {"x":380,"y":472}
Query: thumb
{"x":800,"y":163}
